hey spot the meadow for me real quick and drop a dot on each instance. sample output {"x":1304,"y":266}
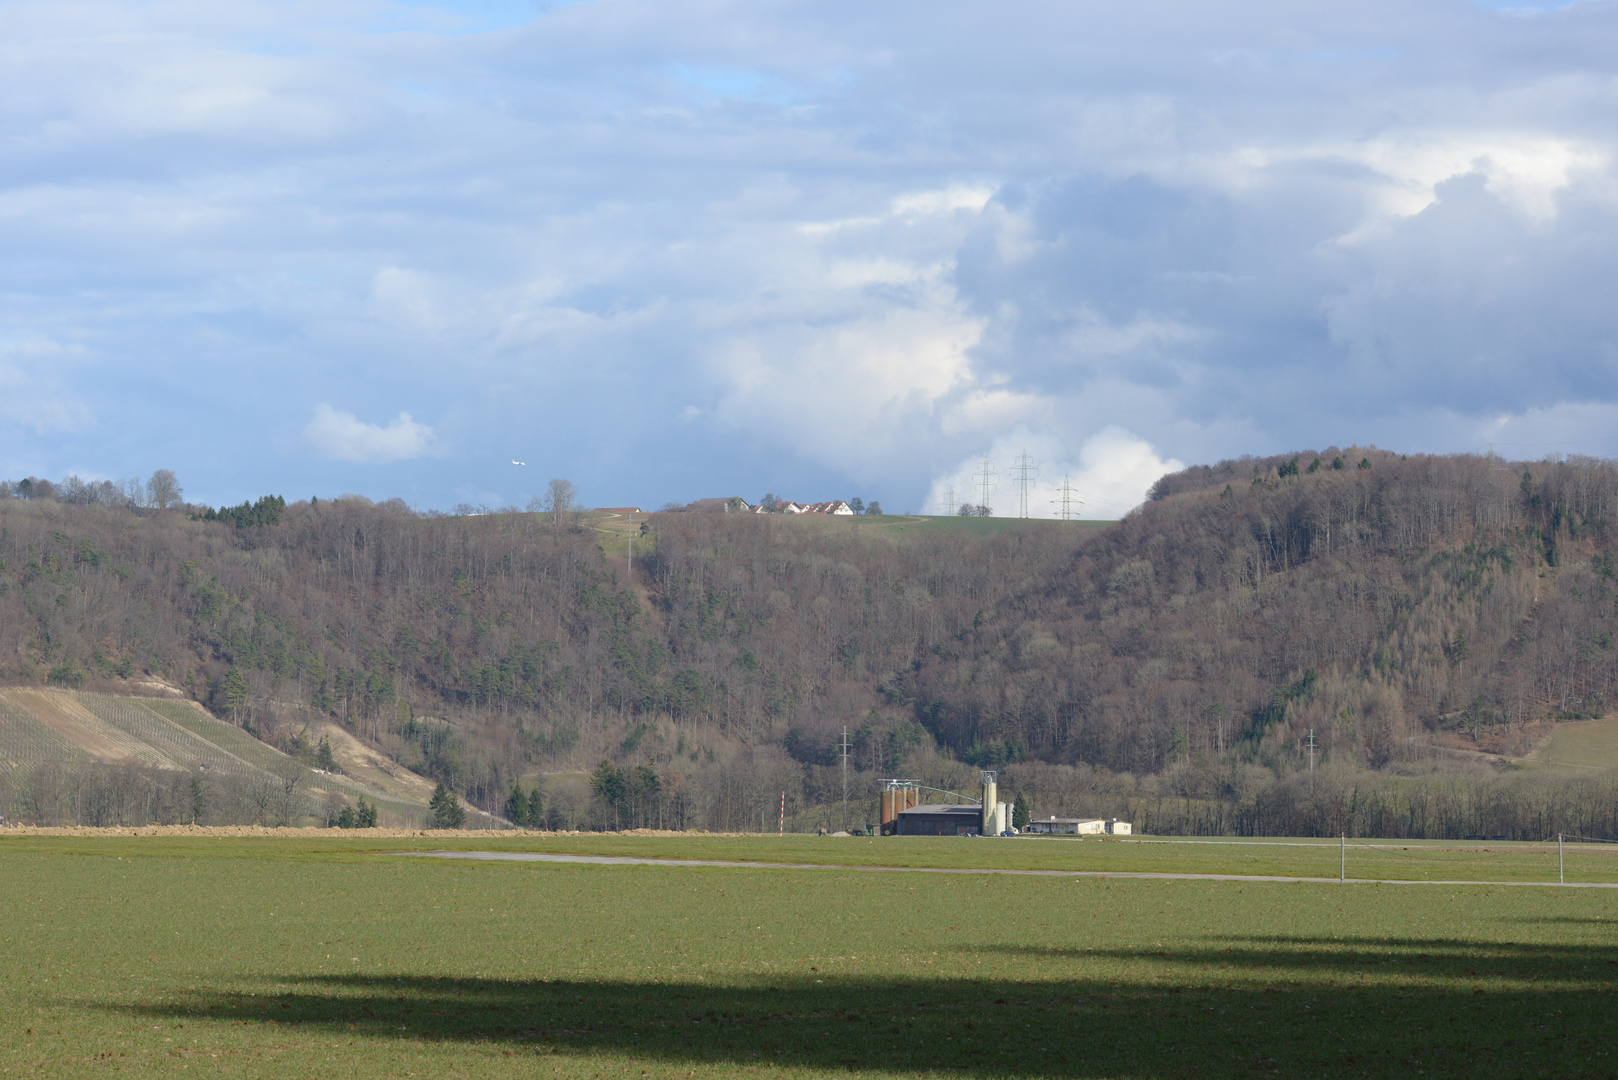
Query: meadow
{"x":133,"y":956}
{"x":1586,"y":744}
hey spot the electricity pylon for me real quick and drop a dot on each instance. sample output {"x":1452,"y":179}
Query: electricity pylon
{"x":1023,"y":469}
{"x":985,"y":478}
{"x":1069,"y":503}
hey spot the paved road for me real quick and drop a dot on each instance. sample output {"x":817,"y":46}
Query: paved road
{"x":616,"y":860}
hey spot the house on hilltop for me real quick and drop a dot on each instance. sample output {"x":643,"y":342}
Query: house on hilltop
{"x":733,"y":505}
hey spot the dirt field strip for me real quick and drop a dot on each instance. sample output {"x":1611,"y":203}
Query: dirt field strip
{"x":1145,"y":875}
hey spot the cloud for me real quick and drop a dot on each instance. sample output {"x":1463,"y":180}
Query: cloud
{"x":341,"y":436}
{"x":1032,"y":473}
{"x":675,"y":249}
{"x":31,"y":390}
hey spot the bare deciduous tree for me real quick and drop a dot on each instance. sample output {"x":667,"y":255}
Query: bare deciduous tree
{"x":163,"y":490}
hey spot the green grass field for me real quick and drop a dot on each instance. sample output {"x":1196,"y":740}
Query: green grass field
{"x":990,"y":526}
{"x":313,"y":957}
{"x":1586,"y":743}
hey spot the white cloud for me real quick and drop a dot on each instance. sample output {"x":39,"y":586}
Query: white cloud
{"x":31,"y":393}
{"x":1111,"y":476}
{"x":341,"y":436}
{"x":671,"y":248}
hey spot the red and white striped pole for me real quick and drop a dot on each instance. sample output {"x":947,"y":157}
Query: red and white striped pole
{"x":783,"y":830}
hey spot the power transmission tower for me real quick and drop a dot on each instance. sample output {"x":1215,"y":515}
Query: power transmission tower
{"x":985,"y":479}
{"x":1310,"y":744}
{"x":949,"y":500}
{"x":1068,"y":501}
{"x":845,"y":777}
{"x":1023,"y":469}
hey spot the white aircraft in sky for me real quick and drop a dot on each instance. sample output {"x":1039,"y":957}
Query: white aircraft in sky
{"x":514,"y":461}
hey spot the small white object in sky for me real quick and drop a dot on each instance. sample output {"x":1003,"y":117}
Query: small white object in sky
{"x":514,"y":461}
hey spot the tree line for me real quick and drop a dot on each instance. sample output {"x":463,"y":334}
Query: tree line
{"x":1401,"y":608}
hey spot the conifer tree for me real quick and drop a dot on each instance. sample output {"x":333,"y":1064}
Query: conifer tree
{"x":517,"y":807}
{"x":447,"y":810}
{"x":1019,"y":812}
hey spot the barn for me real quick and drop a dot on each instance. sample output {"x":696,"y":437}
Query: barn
{"x":941,"y":819}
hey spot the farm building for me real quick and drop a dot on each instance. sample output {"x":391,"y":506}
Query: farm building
{"x":1067,"y":826}
{"x":902,"y":816}
{"x":941,"y":819}
{"x":1077,"y":826}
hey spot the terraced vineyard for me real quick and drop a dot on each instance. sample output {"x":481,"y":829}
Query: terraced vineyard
{"x":38,"y":726}
{"x":23,"y":739}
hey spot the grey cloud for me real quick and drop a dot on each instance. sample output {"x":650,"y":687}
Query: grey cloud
{"x":1207,"y":226}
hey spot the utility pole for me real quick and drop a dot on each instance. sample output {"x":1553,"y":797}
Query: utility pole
{"x":1561,"y":876}
{"x":632,"y":554}
{"x":985,"y":479}
{"x":1023,"y":469}
{"x":1342,"y":857}
{"x":845,"y":777}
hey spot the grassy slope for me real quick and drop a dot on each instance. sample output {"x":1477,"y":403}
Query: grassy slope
{"x":167,"y":734}
{"x":1588,"y":743}
{"x":258,"y":958}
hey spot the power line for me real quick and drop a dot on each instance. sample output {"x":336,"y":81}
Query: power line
{"x":1023,"y":469}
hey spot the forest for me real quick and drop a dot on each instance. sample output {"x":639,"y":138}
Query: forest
{"x":1425,"y":617}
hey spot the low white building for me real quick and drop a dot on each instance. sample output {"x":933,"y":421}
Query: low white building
{"x":1066,"y":826}
{"x":1055,"y":826}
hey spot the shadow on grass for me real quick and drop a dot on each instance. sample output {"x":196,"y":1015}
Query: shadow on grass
{"x":1448,"y":1007}
{"x":1486,"y":965}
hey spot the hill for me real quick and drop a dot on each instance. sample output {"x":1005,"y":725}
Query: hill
{"x":145,"y":741}
{"x":1417,"y":614}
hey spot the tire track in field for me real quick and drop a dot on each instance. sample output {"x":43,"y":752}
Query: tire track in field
{"x":1146,"y":875}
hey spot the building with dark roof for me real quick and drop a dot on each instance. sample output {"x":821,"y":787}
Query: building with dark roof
{"x":941,"y":819}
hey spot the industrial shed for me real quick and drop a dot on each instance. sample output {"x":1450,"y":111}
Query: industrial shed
{"x":1077,"y":826}
{"x":1067,"y":826}
{"x":940,"y":819}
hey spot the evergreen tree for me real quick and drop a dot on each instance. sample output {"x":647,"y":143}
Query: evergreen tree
{"x":323,"y":757}
{"x":236,"y":693}
{"x":517,"y":807}
{"x":536,"y":809}
{"x":1019,"y":812}
{"x":347,"y":819}
{"x":447,"y":810}
{"x":365,"y":817}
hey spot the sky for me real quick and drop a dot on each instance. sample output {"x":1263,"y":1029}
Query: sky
{"x":671,"y":250}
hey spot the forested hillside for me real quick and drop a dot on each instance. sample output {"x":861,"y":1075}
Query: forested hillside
{"x":1389,"y":604}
